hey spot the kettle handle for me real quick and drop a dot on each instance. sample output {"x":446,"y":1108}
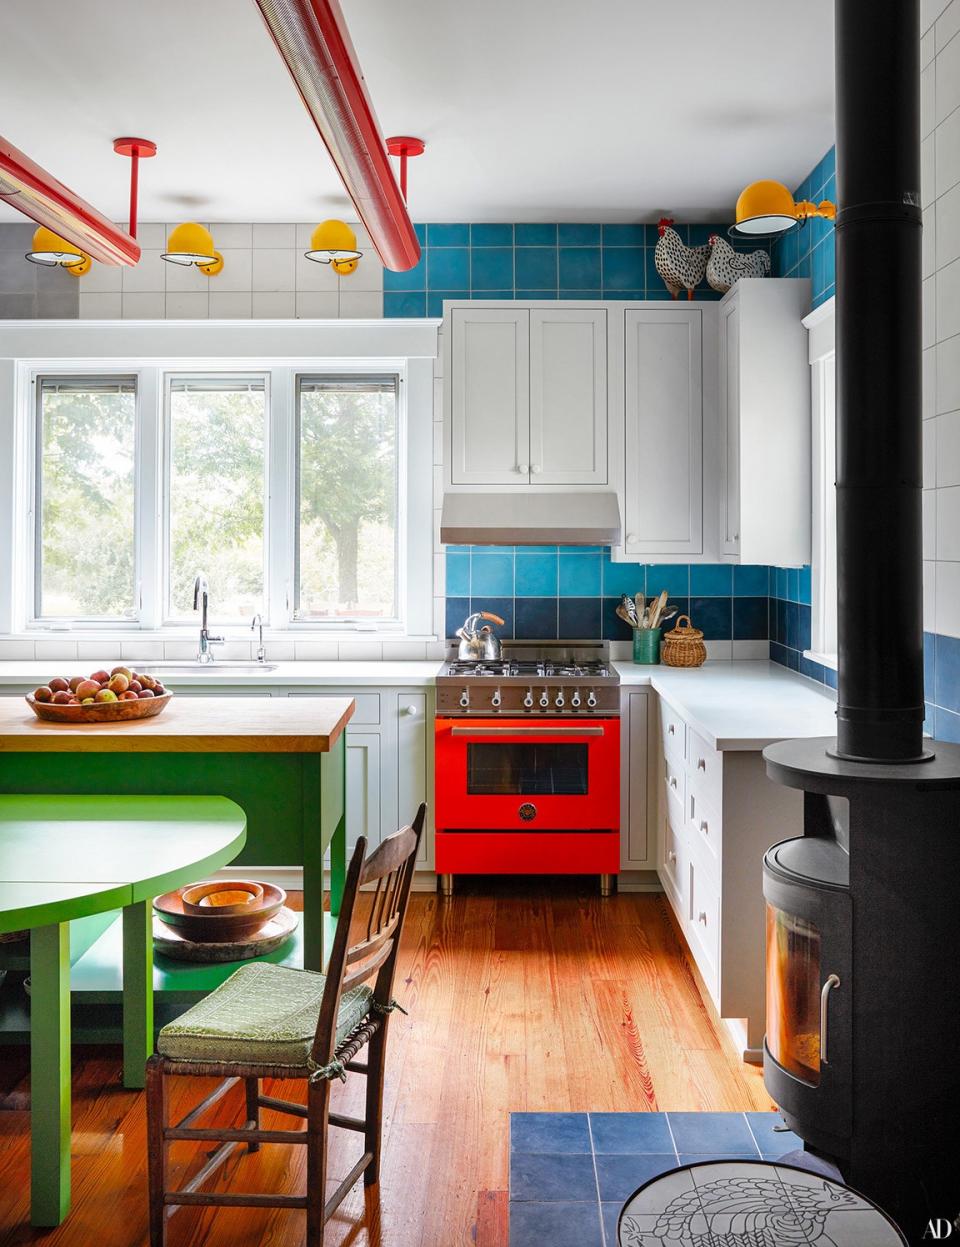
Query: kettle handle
{"x":493,"y":618}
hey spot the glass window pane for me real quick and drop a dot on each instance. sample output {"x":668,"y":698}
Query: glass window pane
{"x":793,"y":994}
{"x":533,"y":769}
{"x":217,"y":433}
{"x":347,"y":498}
{"x":85,"y":500}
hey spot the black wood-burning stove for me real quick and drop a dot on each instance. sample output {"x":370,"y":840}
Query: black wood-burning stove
{"x":863,"y":922}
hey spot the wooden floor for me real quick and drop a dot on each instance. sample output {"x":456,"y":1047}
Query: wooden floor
{"x":523,"y":995}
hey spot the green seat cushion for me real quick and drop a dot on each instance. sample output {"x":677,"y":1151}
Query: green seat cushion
{"x":262,"y":1015}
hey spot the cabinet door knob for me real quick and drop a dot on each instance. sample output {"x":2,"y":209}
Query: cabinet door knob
{"x":632,"y":538}
{"x":536,"y":468}
{"x":673,"y":781}
{"x":672,"y":730}
{"x":701,"y":764}
{"x":672,"y":856}
{"x":523,"y":469}
{"x":702,"y":917}
{"x":411,"y":709}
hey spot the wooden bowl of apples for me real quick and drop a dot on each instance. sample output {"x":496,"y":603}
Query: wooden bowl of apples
{"x":115,"y":696}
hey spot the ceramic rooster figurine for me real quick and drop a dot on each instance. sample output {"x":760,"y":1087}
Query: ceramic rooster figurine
{"x":678,"y":264}
{"x":726,"y":266}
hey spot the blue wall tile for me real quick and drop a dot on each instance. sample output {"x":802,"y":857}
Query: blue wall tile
{"x":624,"y":268}
{"x":535,"y":575}
{"x":491,"y":235}
{"x":581,"y":268}
{"x":404,"y":304}
{"x":674,"y":577}
{"x":750,"y":619}
{"x":448,"y":268}
{"x":536,"y":267}
{"x":577,"y":235}
{"x":626,"y":236}
{"x":491,"y":572}
{"x":711,"y":579}
{"x":527,"y":235}
{"x":435,"y":299}
{"x":504,"y":607}
{"x":623,"y":577}
{"x":491,"y":268}
{"x":448,"y":235}
{"x":579,"y":574}
{"x":458,"y":574}
{"x":579,"y":618}
{"x":750,"y":580}
{"x":713,"y":616}
{"x":535,"y":619}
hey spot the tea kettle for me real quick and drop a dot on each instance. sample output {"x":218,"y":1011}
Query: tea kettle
{"x":479,"y":644}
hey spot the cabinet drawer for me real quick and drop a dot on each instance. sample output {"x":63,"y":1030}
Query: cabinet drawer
{"x":703,"y":920}
{"x":672,"y":855}
{"x":673,"y":779}
{"x":703,"y":823}
{"x":705,"y":767}
{"x":368,"y":704}
{"x":673,"y":731}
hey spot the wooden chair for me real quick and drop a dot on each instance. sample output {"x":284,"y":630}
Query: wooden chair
{"x":269,"y":1021}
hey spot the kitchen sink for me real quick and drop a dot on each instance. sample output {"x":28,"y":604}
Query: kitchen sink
{"x":201,"y":668}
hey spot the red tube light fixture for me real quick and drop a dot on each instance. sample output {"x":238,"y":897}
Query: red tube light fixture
{"x":312,"y":38}
{"x":39,"y":195}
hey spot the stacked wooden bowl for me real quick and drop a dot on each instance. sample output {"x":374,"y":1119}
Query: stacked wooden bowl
{"x":222,"y":920}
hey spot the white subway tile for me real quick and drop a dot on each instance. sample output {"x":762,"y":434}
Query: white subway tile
{"x":368,"y":275}
{"x":929,"y":382}
{"x":188,"y":305}
{"x":948,"y":227}
{"x":143,"y":306}
{"x":147,"y":275}
{"x":947,"y":147}
{"x":744,"y":651}
{"x":927,"y":49}
{"x":180,"y":651}
{"x":230,"y":304}
{"x":233,"y":651}
{"x":231,"y":234}
{"x":360,"y":304}
{"x":928,"y":249}
{"x":436,"y":651}
{"x":722,"y":650}
{"x":928,"y":171}
{"x":948,"y":374}
{"x":437,"y":444}
{"x":947,"y":612}
{"x":947,"y":525}
{"x":928,"y":99}
{"x":274,"y":234}
{"x":279,"y":651}
{"x":948,"y":449}
{"x":948,"y":301}
{"x":303,"y":234}
{"x":151,"y":235}
{"x":102,"y":279}
{"x":948,"y":24}
{"x":948,"y":80}
{"x":930,"y":10}
{"x":181,"y":278}
{"x":273,"y":306}
{"x":929,"y":454}
{"x":404,"y":651}
{"x":360,"y":651}
{"x":16,"y":651}
{"x":930,"y":596}
{"x":274,"y":268}
{"x":316,"y":651}
{"x":312,"y":275}
{"x":929,"y":312}
{"x":55,"y":651}
{"x":94,"y":306}
{"x":142,"y":651}
{"x":98,"y":654}
{"x":931,"y":522}
{"x":317,"y":305}
{"x":236,"y":272}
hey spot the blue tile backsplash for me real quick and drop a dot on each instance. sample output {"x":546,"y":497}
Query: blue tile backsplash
{"x":809,"y":251}
{"x":532,"y":261}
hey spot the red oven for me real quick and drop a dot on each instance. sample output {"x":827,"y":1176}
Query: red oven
{"x":515,"y":796}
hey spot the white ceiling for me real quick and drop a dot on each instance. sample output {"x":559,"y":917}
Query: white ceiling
{"x":533,"y":110}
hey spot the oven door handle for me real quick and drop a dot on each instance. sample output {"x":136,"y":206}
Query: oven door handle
{"x":526,"y":731}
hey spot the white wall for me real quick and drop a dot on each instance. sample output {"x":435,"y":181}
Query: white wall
{"x":940,"y":126}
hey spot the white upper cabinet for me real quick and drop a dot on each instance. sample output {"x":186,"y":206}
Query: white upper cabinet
{"x":664,"y":448}
{"x":765,"y":422}
{"x":528,"y":396}
{"x":568,"y":396}
{"x":490,"y":396}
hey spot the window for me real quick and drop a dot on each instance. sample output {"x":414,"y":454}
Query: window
{"x":216,"y":462}
{"x":85,"y":547}
{"x":346,"y":538}
{"x":824,"y":569}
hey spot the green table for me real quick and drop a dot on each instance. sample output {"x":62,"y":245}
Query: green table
{"x":67,"y":857}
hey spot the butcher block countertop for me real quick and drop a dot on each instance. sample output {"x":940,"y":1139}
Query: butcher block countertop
{"x":188,"y":725}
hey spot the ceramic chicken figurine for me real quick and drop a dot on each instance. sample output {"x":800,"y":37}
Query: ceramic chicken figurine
{"x":726,"y":266}
{"x":678,"y":264}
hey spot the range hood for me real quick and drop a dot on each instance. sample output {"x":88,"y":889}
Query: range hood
{"x":531,"y":519}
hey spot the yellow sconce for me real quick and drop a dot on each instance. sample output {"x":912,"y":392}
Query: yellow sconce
{"x":769,"y":208}
{"x":335,"y":243}
{"x":50,"y":249}
{"x":191,"y":243}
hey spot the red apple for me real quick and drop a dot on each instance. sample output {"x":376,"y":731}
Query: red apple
{"x":101,"y":676}
{"x":43,"y":693}
{"x":125,"y":671}
{"x":74,"y":681}
{"x":105,"y":694}
{"x":128,"y":695}
{"x":61,"y":697}
{"x":58,"y":684}
{"x":87,"y":688}
{"x":135,"y":686}
{"x":145,"y":692}
{"x":119,"y":683}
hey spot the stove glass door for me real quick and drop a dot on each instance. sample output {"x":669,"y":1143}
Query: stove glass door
{"x":535,"y":768}
{"x":793,"y":994}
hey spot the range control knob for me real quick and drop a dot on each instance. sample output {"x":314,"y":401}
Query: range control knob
{"x":592,"y":698}
{"x":575,"y":699}
{"x":559,"y":701}
{"x":464,"y":698}
{"x":496,"y":699}
{"x":544,"y":699}
{"x":528,"y":698}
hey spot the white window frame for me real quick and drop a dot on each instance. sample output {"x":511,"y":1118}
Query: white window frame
{"x":823,"y":614}
{"x":156,"y":351}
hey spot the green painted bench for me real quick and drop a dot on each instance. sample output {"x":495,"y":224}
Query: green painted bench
{"x":68,"y":857}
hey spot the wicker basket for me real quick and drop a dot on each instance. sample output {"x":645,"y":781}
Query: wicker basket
{"x":683,"y":646}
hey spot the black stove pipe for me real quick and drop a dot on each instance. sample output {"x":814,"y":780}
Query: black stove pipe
{"x":878,"y":344}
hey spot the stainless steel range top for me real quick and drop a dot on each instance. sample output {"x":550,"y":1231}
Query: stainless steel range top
{"x":533,"y":678}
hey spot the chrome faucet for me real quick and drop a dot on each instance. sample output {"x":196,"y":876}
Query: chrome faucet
{"x":201,"y":596}
{"x":255,"y":623}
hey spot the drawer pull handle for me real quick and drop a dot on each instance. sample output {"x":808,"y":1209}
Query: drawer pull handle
{"x":704,"y":828}
{"x":701,"y":764}
{"x":702,"y":917}
{"x":672,"y":730}
{"x":673,"y":781}
{"x":671,"y":857}
{"x":832,"y":982}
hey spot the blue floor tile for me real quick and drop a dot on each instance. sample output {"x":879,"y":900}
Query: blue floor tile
{"x":625,"y":1133}
{"x":712,"y":1132}
{"x":556,"y":1224}
{"x":772,"y":1143}
{"x":545,"y":1177}
{"x":610,"y":1215}
{"x":699,"y":1158}
{"x":549,"y":1132}
{"x":619,"y":1176}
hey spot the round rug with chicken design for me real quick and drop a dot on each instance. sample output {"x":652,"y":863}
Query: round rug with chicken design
{"x":751,"y":1204}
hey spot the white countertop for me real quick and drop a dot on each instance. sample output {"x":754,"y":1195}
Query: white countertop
{"x":339,"y":674}
{"x":740,"y":705}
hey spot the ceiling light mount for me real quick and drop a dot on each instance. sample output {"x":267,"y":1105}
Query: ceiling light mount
{"x":404,"y":146}
{"x":192,"y":244}
{"x":137,"y":150}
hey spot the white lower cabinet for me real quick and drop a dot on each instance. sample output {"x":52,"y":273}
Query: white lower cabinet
{"x":717,"y":814}
{"x":364,"y":803}
{"x":637,"y":851}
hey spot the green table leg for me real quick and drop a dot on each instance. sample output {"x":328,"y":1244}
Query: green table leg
{"x":338,"y":845}
{"x":137,"y":991}
{"x":49,"y":1074}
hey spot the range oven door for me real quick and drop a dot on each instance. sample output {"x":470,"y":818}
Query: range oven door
{"x":514,"y":775}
